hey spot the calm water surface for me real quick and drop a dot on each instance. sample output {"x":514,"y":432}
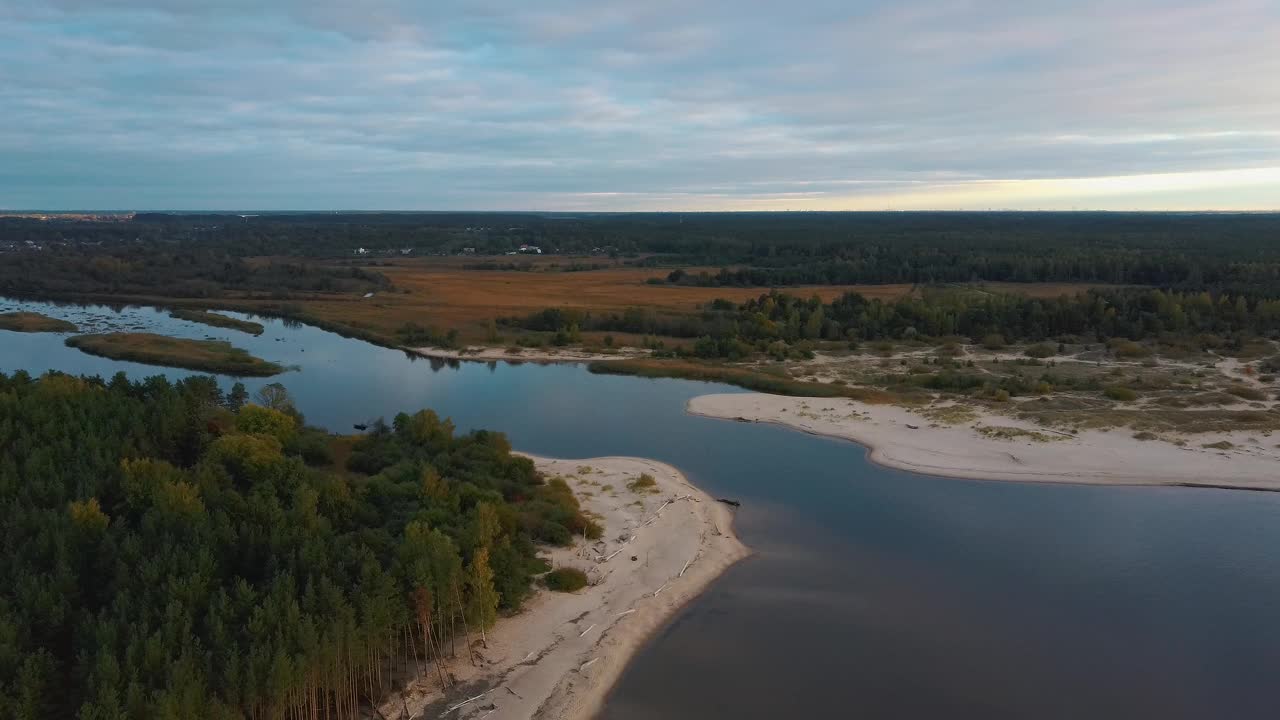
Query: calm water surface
{"x":873,"y":593}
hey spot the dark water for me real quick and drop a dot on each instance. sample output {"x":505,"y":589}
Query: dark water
{"x":873,"y":593}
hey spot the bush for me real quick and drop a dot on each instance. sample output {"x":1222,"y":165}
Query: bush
{"x":1041,"y":350}
{"x":1129,"y":349}
{"x":1247,"y":393}
{"x":1121,"y":393}
{"x":644,"y":483}
{"x":565,"y":579}
{"x":553,"y":515}
{"x":994,"y":341}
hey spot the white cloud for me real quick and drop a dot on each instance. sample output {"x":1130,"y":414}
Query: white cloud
{"x":612,"y":103}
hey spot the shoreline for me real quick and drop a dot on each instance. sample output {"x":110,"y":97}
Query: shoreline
{"x":560,"y":656}
{"x":1092,"y":457}
{"x":488,"y":353}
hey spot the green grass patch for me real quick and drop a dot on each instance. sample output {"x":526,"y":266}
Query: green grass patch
{"x":1004,"y":432}
{"x":565,"y":579}
{"x":216,"y":356}
{"x":205,"y":317}
{"x":34,"y":323}
{"x":741,"y":377}
{"x":950,"y":414}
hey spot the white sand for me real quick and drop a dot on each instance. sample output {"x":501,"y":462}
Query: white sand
{"x":1093,"y":456}
{"x":536,"y":663}
{"x":538,"y":355}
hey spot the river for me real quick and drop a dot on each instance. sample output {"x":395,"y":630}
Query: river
{"x":873,"y":593}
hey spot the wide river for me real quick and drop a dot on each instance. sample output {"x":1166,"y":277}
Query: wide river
{"x":873,"y":593}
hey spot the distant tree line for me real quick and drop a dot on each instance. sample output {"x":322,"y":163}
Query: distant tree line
{"x":779,"y":323}
{"x":167,"y":270}
{"x":1183,"y":251}
{"x":171,"y":551}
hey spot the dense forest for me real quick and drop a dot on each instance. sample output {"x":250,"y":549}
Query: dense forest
{"x":780,"y":323}
{"x":173,"y":551}
{"x":1184,"y":251}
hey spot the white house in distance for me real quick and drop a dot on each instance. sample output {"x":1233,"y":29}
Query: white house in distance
{"x":531,"y":249}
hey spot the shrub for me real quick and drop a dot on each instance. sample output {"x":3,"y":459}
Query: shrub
{"x":553,"y":515}
{"x":1041,"y":350}
{"x":1129,"y":349}
{"x":565,"y":579}
{"x":1247,"y":393}
{"x":644,"y":483}
{"x":994,"y":341}
{"x":1121,"y":393}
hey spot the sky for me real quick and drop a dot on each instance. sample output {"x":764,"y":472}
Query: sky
{"x":639,"y":104}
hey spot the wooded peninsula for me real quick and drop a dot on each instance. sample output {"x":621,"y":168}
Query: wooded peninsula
{"x":180,"y":552}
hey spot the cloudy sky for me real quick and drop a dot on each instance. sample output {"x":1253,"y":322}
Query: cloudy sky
{"x":639,"y":104}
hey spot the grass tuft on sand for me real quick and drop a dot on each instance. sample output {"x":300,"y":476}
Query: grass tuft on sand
{"x":34,"y":323}
{"x":217,"y":356}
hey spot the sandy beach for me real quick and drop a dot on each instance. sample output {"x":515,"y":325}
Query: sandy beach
{"x":562,"y":653}
{"x":993,"y":447}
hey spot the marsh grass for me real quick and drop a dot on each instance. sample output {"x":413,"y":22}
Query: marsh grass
{"x":205,"y":317}
{"x":217,"y":356}
{"x":34,"y":323}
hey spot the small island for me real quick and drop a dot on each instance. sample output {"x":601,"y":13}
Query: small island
{"x":34,"y":323}
{"x":209,"y":318}
{"x":216,"y":356}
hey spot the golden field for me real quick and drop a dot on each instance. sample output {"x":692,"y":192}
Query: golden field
{"x":442,"y":293}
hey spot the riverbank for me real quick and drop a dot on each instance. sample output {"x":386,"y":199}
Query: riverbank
{"x":993,"y":447}
{"x":560,"y":656}
{"x":521,"y":354}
